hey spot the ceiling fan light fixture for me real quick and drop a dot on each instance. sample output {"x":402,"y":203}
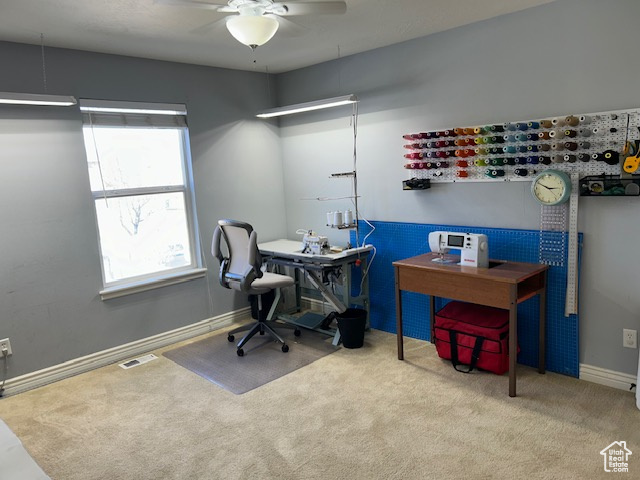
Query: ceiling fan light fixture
{"x":252,"y":30}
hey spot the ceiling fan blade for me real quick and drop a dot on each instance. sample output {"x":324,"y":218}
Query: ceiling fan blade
{"x":218,"y":7}
{"x":287,"y":27}
{"x":210,"y":27}
{"x":308,"y":8}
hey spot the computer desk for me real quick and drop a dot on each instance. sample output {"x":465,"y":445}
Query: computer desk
{"x":315,"y":269}
{"x":503,"y":285}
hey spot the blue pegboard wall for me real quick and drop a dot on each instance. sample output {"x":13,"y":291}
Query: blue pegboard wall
{"x":395,"y":241}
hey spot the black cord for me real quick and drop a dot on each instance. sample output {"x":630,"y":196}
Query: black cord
{"x":4,"y":376}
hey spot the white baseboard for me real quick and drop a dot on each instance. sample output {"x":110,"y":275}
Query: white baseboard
{"x":610,"y":378}
{"x":76,"y":366}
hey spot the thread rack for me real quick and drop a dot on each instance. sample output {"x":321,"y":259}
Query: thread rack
{"x":590,"y":144}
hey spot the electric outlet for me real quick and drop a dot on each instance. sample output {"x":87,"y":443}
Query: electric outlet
{"x":5,"y":343}
{"x":629,"y":338}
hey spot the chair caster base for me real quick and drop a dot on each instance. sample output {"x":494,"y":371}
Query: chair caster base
{"x":231,"y":338}
{"x":297,"y":332}
{"x":240,"y":352}
{"x":285,"y":348}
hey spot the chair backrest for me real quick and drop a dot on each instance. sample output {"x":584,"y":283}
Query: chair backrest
{"x":242,"y":265}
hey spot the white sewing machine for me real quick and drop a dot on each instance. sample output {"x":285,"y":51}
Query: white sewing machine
{"x":314,"y":243}
{"x":474,"y":247}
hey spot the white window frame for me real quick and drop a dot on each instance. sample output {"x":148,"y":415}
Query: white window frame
{"x":110,"y":113}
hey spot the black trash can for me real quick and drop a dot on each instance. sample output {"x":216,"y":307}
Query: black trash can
{"x":352,"y":323}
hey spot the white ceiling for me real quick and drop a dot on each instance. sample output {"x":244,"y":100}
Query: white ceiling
{"x":143,"y":28}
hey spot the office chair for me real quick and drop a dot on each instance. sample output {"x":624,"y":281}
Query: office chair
{"x":241,"y":271}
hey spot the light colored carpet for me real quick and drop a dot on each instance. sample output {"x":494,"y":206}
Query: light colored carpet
{"x":354,"y":414}
{"x":215,"y":358}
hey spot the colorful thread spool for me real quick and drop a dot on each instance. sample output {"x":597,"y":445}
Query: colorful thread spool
{"x":533,"y":137}
{"x":532,"y":160}
{"x":462,"y":174}
{"x":584,"y":145}
{"x":481,"y":151}
{"x":497,"y":162}
{"x":494,"y":173}
{"x":570,"y":158}
{"x":462,"y":164}
{"x":511,"y":127}
{"x":522,"y":126}
{"x":521,"y":172}
{"x":546,"y":123}
{"x":545,"y":160}
{"x":480,"y":162}
{"x":585,"y":119}
{"x":571,"y":146}
{"x":532,"y":148}
{"x":572,"y":121}
{"x":584,"y":157}
{"x":570,"y":133}
{"x":544,"y":147}
{"x":544,"y":136}
{"x":533,"y":125}
{"x":510,"y":161}
{"x":557,"y":159}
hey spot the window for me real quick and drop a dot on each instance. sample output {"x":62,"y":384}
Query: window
{"x":140,"y":176}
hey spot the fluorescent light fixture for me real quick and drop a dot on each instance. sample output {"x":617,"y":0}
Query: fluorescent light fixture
{"x":309,"y":106}
{"x":107,"y":106}
{"x":13,"y":98}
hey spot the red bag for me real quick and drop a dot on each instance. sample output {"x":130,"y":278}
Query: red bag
{"x":473,"y":335}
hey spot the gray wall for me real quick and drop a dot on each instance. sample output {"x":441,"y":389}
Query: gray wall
{"x":571,"y":56}
{"x":49,"y":267}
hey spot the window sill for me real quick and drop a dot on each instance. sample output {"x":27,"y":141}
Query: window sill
{"x":151,"y":284}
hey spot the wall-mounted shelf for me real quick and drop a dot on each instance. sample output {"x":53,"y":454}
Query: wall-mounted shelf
{"x":610,"y":186}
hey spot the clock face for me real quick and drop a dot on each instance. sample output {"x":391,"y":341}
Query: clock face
{"x":551,"y":187}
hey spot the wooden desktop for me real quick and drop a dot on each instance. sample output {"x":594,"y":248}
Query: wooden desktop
{"x":504,"y":285}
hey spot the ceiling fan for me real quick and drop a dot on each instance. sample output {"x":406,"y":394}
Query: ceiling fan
{"x":257,"y":20}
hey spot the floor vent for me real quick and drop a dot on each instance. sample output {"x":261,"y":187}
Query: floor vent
{"x":138,"y":361}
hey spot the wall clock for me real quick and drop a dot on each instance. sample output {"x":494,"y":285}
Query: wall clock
{"x":551,"y":187}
